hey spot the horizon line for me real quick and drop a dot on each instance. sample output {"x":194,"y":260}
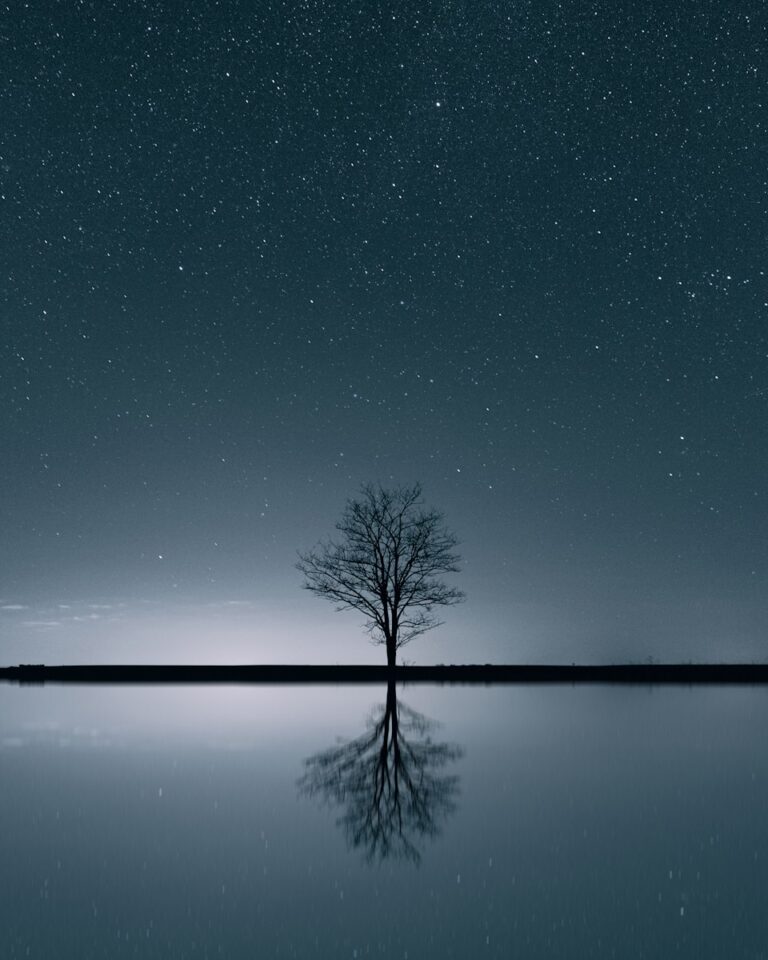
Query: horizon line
{"x":688,"y":673}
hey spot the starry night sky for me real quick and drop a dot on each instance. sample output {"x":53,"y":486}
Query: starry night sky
{"x":257,"y":253}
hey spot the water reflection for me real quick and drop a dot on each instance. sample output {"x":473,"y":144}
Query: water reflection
{"x":390,"y":782}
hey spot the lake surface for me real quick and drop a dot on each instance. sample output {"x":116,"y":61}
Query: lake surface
{"x":239,"y":821}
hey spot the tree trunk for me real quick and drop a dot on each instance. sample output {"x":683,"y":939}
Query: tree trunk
{"x":391,"y":651}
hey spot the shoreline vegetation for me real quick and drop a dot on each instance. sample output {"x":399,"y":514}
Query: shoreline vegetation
{"x":624,"y":673}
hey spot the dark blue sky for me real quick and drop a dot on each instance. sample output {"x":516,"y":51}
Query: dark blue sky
{"x":257,"y":254}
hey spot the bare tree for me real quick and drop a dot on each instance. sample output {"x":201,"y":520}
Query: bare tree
{"x":386,"y":565}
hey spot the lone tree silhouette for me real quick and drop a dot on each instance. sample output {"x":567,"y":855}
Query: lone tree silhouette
{"x":387,"y":565}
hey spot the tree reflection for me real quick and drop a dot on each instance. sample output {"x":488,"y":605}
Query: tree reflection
{"x":390,"y":782}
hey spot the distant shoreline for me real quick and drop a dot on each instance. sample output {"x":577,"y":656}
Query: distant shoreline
{"x":644,"y":673}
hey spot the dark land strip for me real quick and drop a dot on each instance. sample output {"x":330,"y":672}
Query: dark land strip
{"x":644,"y":673}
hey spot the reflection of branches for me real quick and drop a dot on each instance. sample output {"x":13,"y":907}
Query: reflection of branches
{"x":388,"y":781}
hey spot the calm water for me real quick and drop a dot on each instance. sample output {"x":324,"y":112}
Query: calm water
{"x":352,"y":822}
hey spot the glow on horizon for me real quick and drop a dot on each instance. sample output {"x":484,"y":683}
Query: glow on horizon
{"x":298,"y":629}
{"x":229,"y":632}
